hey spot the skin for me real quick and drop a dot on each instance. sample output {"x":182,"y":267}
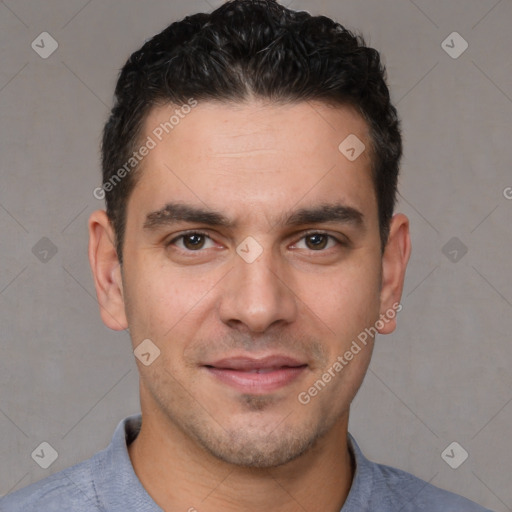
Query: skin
{"x":203,"y":443}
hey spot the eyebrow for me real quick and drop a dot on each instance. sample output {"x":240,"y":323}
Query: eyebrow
{"x":326,"y":212}
{"x":173,"y":213}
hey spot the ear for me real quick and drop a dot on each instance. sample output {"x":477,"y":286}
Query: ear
{"x":394,"y":262}
{"x":106,"y":271}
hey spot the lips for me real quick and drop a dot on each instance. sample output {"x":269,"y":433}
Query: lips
{"x":249,"y":363}
{"x":256,"y":375}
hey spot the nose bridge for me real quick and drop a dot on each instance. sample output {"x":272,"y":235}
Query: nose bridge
{"x":255,"y":292}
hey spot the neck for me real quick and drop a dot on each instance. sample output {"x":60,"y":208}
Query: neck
{"x":181,"y":476}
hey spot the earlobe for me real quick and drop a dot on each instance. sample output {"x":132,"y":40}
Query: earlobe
{"x":106,"y":271}
{"x":394,"y":263}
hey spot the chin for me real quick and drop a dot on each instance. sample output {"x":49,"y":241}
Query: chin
{"x":256,"y":448}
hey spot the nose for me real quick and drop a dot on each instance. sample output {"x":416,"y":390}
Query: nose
{"x":257,"y":295}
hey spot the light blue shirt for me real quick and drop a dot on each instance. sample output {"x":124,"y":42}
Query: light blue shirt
{"x":107,"y":483}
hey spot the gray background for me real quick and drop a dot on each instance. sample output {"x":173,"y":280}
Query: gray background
{"x":443,"y":376}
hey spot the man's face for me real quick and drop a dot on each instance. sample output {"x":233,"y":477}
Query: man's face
{"x":242,"y":334}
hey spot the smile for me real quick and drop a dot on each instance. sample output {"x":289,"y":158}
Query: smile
{"x":256,"y":376}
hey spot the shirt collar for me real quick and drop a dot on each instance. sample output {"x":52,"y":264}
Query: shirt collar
{"x":358,"y":498}
{"x":118,"y":487}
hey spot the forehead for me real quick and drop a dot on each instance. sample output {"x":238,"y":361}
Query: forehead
{"x":268,"y":156}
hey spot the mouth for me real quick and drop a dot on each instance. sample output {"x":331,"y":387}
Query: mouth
{"x":256,"y":375}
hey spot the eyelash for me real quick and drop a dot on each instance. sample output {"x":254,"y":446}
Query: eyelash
{"x":206,"y":235}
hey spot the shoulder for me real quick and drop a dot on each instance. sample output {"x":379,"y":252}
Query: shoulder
{"x":403,"y":491}
{"x":103,"y":482}
{"x":382,"y":488}
{"x":73,"y":487}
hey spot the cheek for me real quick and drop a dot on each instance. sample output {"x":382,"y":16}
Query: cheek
{"x":346,"y":301}
{"x":157,"y":300}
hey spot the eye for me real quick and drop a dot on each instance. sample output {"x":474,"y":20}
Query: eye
{"x":318,"y":241}
{"x":191,"y":241}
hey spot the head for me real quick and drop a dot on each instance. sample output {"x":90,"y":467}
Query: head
{"x":230,"y":127}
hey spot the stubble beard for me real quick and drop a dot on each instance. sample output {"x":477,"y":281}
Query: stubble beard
{"x":252,"y":446}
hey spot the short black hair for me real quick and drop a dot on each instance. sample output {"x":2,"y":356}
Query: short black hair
{"x":245,"y":49}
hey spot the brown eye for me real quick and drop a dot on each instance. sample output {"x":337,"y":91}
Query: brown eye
{"x":193,"y":241}
{"x":316,"y":241}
